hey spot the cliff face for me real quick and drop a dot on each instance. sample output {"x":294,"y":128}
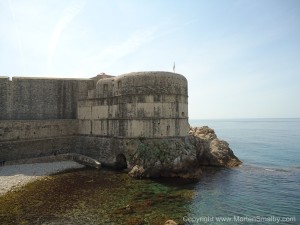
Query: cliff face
{"x":180,"y":157}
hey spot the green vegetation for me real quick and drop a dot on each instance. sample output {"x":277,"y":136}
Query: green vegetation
{"x":149,"y":152}
{"x":90,"y":196}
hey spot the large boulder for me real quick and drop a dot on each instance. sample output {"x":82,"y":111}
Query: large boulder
{"x":211,"y":150}
{"x":163,"y":158}
{"x":179,"y":157}
{"x":170,"y":222}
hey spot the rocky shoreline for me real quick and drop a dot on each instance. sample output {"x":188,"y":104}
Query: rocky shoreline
{"x":183,"y":157}
{"x":212,"y":151}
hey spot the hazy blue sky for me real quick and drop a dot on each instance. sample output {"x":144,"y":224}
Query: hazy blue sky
{"x":241,"y":58}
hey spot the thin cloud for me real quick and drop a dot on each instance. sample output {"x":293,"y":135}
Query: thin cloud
{"x":111,"y":54}
{"x":71,"y":11}
{"x":108,"y":56}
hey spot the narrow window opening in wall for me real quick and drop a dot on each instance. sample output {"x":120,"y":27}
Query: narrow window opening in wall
{"x":105,"y":88}
{"x":156,"y":98}
{"x":119,"y":84}
{"x":129,"y":99}
{"x":141,"y":99}
{"x":182,"y":114}
{"x":91,"y":129}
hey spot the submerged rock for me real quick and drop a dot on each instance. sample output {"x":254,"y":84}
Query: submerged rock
{"x":137,"y":172}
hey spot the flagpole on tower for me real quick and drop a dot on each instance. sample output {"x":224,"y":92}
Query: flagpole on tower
{"x":174,"y":67}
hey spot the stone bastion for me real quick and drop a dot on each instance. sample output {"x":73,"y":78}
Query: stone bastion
{"x":140,"y":104}
{"x":135,"y":119}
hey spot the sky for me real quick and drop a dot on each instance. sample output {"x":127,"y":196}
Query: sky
{"x":241,"y":57}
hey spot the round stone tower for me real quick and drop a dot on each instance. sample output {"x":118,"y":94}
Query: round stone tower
{"x":141,"y":104}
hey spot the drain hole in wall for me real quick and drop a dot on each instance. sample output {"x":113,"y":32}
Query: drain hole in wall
{"x":121,"y":162}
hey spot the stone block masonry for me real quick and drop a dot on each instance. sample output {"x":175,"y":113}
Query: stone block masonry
{"x":24,"y":149}
{"x":95,"y":117}
{"x":5,"y":98}
{"x":140,"y":104}
{"x":16,"y":130}
{"x":41,"y":98}
{"x":136,"y":120}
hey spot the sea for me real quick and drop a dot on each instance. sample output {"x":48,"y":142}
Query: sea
{"x":264,"y":190}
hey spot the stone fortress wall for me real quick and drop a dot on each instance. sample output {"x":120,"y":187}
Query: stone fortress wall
{"x":38,"y":115}
{"x":142,"y":104}
{"x":41,"y":98}
{"x":45,"y":116}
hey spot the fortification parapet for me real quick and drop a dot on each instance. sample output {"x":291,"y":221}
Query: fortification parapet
{"x":143,"y":83}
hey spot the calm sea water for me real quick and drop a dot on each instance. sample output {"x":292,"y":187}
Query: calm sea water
{"x":264,"y":190}
{"x":265,"y":187}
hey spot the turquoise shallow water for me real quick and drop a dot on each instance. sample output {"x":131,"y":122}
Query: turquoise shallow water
{"x":265,"y":187}
{"x":264,"y":190}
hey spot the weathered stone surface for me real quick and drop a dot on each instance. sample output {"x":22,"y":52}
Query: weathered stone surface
{"x":24,"y":149}
{"x":137,"y":172}
{"x":173,"y":157}
{"x":16,"y":130}
{"x":170,"y":222}
{"x":210,"y":150}
{"x":179,"y":157}
{"x":137,"y":121}
{"x":140,"y":104}
{"x":25,"y":98}
{"x":85,"y":160}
